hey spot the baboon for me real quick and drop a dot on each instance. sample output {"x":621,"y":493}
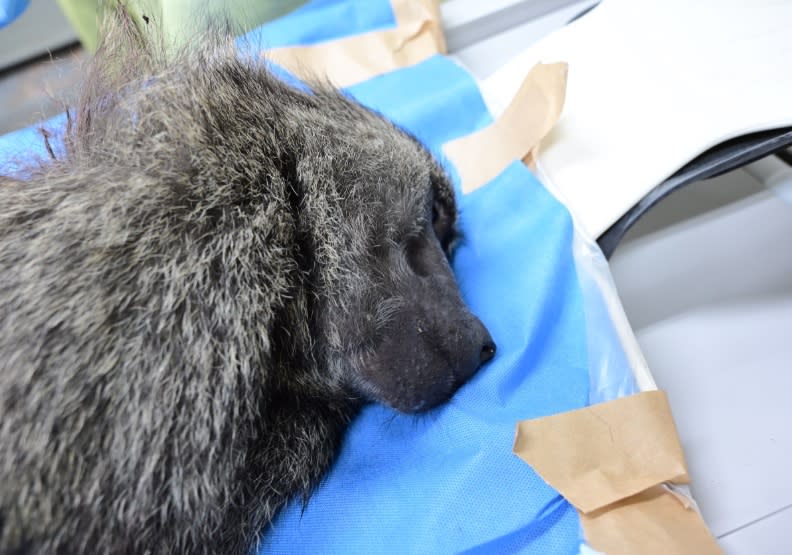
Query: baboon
{"x":201,"y":291}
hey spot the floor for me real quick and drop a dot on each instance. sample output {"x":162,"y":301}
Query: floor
{"x":706,"y":281}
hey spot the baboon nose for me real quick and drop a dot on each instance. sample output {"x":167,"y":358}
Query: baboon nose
{"x":487,"y":351}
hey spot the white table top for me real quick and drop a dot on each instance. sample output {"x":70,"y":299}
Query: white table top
{"x":710,"y":299}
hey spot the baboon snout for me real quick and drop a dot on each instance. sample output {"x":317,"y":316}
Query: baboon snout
{"x":466,"y":354}
{"x":418,"y":367}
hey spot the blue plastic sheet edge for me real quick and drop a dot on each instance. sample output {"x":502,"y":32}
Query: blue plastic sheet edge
{"x":320,"y":21}
{"x":22,"y":147}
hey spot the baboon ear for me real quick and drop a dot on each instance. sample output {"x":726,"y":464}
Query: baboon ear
{"x":442,"y":223}
{"x":443,"y":210}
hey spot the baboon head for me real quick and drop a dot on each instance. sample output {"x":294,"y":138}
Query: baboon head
{"x":402,"y":333}
{"x":371,"y":222}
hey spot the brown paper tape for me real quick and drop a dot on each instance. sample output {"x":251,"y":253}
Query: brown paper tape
{"x":653,"y":522}
{"x":516,"y":134}
{"x":354,"y":59}
{"x":603,"y":453}
{"x":610,"y":461}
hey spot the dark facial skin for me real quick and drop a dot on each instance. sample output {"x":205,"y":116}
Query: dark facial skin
{"x":427,"y":342}
{"x":446,"y":343}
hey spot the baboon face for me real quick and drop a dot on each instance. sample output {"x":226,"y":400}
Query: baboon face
{"x":408,"y":339}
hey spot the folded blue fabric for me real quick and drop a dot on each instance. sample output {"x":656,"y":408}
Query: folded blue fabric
{"x":23,"y":146}
{"x":322,"y":20}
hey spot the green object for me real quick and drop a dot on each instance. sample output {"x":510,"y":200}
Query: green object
{"x":83,"y":15}
{"x":179,"y":19}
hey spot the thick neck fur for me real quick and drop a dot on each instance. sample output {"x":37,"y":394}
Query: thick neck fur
{"x":193,"y":360}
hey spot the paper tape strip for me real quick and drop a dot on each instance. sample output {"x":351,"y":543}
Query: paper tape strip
{"x":354,"y":59}
{"x":606,"y":452}
{"x":516,"y":134}
{"x":653,"y":522}
{"x":610,"y":461}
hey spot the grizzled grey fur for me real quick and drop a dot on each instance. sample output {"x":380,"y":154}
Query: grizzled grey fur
{"x":198,"y":296}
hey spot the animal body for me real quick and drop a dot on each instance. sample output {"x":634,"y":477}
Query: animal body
{"x":198,"y":296}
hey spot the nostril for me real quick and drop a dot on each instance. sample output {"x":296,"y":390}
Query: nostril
{"x":487,"y":352}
